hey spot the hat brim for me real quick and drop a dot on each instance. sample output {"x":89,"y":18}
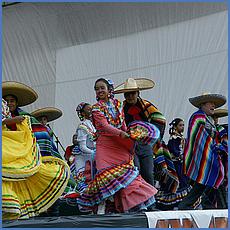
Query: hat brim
{"x":25,"y":94}
{"x":51,"y":113}
{"x":220,"y":113}
{"x":142,"y":84}
{"x":217,"y":99}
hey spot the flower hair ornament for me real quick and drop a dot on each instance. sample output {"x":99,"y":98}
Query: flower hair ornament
{"x":111,"y":88}
{"x":79,"y":110}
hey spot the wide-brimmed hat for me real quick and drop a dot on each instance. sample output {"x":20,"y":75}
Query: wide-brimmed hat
{"x":51,"y":113}
{"x":136,"y":84}
{"x":217,"y":99}
{"x":25,"y":94}
{"x":220,"y":113}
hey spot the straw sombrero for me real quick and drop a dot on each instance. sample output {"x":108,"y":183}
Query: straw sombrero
{"x":220,"y":113}
{"x":25,"y":94}
{"x":217,"y":99}
{"x":51,"y":113}
{"x":136,"y":84}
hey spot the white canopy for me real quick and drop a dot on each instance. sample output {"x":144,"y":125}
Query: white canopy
{"x":60,"y":49}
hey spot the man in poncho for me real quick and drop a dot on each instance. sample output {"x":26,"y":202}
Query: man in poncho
{"x":220,"y":195}
{"x":138,"y":109}
{"x":204,"y":150}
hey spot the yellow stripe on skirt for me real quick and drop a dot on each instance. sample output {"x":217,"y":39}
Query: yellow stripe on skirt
{"x":29,"y":196}
{"x":20,"y":154}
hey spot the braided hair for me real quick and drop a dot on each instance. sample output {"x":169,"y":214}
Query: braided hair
{"x":80,"y":109}
{"x":174,"y":124}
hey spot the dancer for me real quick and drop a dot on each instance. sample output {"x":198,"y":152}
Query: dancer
{"x":138,"y":109}
{"x":167,"y":200}
{"x":84,"y":168}
{"x":46,"y":115}
{"x":117,"y":179}
{"x":69,"y":156}
{"x":18,"y":94}
{"x":23,"y":166}
{"x":202,"y":156}
{"x":176,"y":146}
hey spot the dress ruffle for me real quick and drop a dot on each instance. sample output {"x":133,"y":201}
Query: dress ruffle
{"x":138,"y":195}
{"x":107,"y":182}
{"x":29,"y":197}
{"x":165,"y":198}
{"x":30,"y":183}
{"x":20,"y":153}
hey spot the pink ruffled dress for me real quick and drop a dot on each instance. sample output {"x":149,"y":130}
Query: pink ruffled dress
{"x":116,"y":176}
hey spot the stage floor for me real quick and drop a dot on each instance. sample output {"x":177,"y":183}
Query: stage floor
{"x":86,"y":221}
{"x":158,"y":219}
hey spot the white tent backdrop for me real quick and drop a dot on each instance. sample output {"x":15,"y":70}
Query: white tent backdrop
{"x":61,"y":49}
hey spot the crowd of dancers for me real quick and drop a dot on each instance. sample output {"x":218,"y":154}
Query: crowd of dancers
{"x":118,"y":161}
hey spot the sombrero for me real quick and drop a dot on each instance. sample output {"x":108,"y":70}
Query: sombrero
{"x":51,"y":113}
{"x":220,"y":113}
{"x":136,"y":84}
{"x":25,"y":94}
{"x":143,"y":132}
{"x":217,"y":99}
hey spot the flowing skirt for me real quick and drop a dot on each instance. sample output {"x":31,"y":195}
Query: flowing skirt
{"x":123,"y":182}
{"x":20,"y":153}
{"x":30,"y":183}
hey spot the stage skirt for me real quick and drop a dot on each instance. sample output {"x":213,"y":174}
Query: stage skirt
{"x":30,"y":183}
{"x":20,"y":153}
{"x":124,"y":182}
{"x":35,"y":194}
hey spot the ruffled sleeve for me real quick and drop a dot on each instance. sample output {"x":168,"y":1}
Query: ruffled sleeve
{"x":102,"y":125}
{"x":5,"y":110}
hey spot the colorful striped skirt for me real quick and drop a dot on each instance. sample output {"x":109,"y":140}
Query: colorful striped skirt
{"x":123,"y":181}
{"x":20,"y":153}
{"x":35,"y":194}
{"x":30,"y":183}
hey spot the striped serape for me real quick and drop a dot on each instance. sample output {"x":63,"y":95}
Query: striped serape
{"x":202,"y":161}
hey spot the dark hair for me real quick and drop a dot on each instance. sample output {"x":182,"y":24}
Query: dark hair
{"x":80,"y":109}
{"x":109,"y":84}
{"x":103,"y":80}
{"x":15,"y":97}
{"x":174,"y":124}
{"x":131,"y":92}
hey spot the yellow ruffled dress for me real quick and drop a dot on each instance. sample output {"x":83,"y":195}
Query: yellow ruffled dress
{"x":30,"y":183}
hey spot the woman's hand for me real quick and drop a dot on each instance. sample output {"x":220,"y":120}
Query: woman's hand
{"x":13,"y":120}
{"x":124,"y":135}
{"x":18,"y":119}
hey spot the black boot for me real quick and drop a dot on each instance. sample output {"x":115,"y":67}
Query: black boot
{"x":152,"y":208}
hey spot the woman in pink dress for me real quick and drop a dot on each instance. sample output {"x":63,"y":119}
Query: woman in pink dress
{"x":117,"y":179}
